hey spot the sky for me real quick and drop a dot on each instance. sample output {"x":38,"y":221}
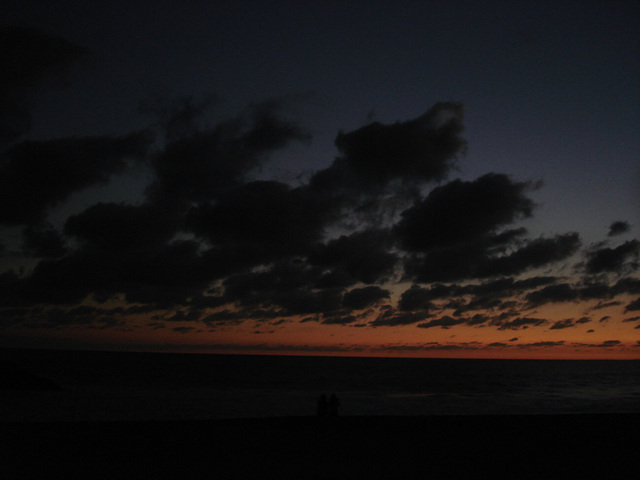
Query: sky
{"x":435,"y":179}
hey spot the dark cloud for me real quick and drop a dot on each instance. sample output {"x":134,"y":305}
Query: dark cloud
{"x":454,"y":234}
{"x":461,"y":212}
{"x":223,"y":317}
{"x":185,"y":316}
{"x":447,"y":264}
{"x":485,"y":258}
{"x":166,"y":276}
{"x":485,"y":302}
{"x":403,"y":155}
{"x":628,"y":285}
{"x":340,"y":319}
{"x":121,"y":228}
{"x":478,"y":319}
{"x":382,"y":168}
{"x":506,"y":286}
{"x":595,"y":290}
{"x":257,"y":287}
{"x":613,"y":259}
{"x":51,"y":282}
{"x":605,"y":344}
{"x":533,"y":254}
{"x":270,"y":347}
{"x":177,"y":118}
{"x":562,"y":324}
{"x":266,"y":219}
{"x":415,"y":298}
{"x":204,"y":164}
{"x":289,"y":287}
{"x":491,"y":295}
{"x":43,"y":241}
{"x":469,"y":297}
{"x":602,"y":305}
{"x":618,"y":228}
{"x":304,"y":301}
{"x":415,"y":150}
{"x":392,"y":318}
{"x":210,"y":245}
{"x":552,"y":294}
{"x":543,"y":344}
{"x":361,"y":298}
{"x":270,"y":130}
{"x":522,"y":322}
{"x":363,"y":256}
{"x":444,"y":322}
{"x":183,"y":329}
{"x":28,"y":59}
{"x":37,"y":175}
{"x":633,"y":306}
{"x":565,"y":292}
{"x":498,"y":288}
{"x":59,"y":316}
{"x":430,"y":346}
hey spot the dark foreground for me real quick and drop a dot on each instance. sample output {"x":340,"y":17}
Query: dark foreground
{"x":514,"y":447}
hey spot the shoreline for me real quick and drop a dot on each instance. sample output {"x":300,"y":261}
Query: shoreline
{"x":447,"y":446}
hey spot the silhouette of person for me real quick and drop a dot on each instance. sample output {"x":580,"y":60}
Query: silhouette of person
{"x":334,"y":403}
{"x":323,"y":406}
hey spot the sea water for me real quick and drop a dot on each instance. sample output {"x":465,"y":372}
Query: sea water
{"x":163,"y":386}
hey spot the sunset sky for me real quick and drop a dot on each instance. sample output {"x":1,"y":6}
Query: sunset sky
{"x":437,"y":179}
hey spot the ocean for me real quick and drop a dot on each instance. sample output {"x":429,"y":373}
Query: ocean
{"x":95,"y":386}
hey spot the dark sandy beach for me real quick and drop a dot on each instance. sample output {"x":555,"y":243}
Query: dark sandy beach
{"x":536,"y":446}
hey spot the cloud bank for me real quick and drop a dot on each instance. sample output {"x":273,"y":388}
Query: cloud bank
{"x":383,"y":236}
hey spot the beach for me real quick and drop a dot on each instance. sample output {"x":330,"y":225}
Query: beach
{"x":486,"y":446}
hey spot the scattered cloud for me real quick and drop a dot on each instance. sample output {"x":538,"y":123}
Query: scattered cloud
{"x":443,"y":322}
{"x":522,"y":323}
{"x":618,"y":228}
{"x":381,"y":237}
{"x":542,"y":344}
{"x":461,"y":212}
{"x":183,"y":329}
{"x":37,"y":175}
{"x":605,"y":344}
{"x":561,"y":324}
{"x":391,"y":318}
{"x":553,"y":293}
{"x":43,"y":241}
{"x":613,"y":259}
{"x":633,"y":306}
{"x":414,"y":151}
{"x":361,"y":298}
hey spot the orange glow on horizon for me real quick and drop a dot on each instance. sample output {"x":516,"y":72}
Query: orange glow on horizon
{"x":612,"y":338}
